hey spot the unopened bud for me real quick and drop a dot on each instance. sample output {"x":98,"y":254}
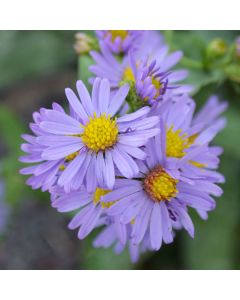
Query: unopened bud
{"x":217,"y":48}
{"x":83,"y":44}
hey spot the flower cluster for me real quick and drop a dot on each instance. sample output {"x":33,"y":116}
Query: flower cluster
{"x":132,"y":157}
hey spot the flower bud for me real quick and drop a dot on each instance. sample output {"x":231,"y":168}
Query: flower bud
{"x":83,"y":44}
{"x":217,"y":48}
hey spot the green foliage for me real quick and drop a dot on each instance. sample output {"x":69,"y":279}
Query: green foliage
{"x":84,"y":61}
{"x":30,"y":53}
{"x":11,"y":129}
{"x":208,"y":55}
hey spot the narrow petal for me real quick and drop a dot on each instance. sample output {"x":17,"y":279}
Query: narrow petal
{"x":77,"y":219}
{"x":142,"y":222}
{"x":80,"y":176}
{"x":133,"y":151}
{"x":71,"y":169}
{"x":76,"y":105}
{"x":91,"y":179}
{"x":95,"y":93}
{"x":156,"y":227}
{"x":59,"y":117}
{"x":58,"y":128}
{"x":110,"y":172}
{"x":121,"y":231}
{"x":171,"y":60}
{"x":85,"y":98}
{"x":166,"y":224}
{"x":133,"y":116}
{"x":86,"y":228}
{"x":118,"y":100}
{"x":125,"y":164}
{"x":104,"y":96}
{"x":54,"y":153}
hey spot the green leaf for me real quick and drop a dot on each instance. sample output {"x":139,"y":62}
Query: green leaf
{"x":11,"y":128}
{"x":84,"y":61}
{"x":233,"y":72}
{"x":229,"y":137}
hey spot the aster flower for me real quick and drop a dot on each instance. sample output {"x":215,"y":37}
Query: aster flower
{"x":148,"y":73}
{"x":44,"y":173}
{"x":178,"y":173}
{"x":119,"y":41}
{"x":88,"y":145}
{"x":186,"y":133}
{"x":158,"y":200}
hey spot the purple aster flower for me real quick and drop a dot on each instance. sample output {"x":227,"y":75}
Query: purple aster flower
{"x":186,"y":134}
{"x":149,"y":73}
{"x":44,"y":173}
{"x":120,"y":41}
{"x":179,"y":172}
{"x":85,"y":147}
{"x":158,"y":201}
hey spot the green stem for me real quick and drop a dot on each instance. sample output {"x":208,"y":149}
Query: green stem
{"x":191,"y":63}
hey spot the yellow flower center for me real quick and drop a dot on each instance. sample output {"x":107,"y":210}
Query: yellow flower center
{"x":156,"y":83}
{"x":97,"y":196}
{"x":176,"y":143}
{"x":118,"y":33}
{"x":100,"y":133}
{"x":159,"y":185}
{"x":128,"y":74}
{"x":158,"y":86}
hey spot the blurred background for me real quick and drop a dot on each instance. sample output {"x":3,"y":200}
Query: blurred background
{"x":35,"y":67}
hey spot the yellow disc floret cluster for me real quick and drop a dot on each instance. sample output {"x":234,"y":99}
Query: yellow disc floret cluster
{"x":176,"y":143}
{"x":97,"y":196}
{"x":128,"y":74}
{"x":118,"y":33}
{"x":158,"y":85}
{"x":100,"y":133}
{"x":159,"y":185}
